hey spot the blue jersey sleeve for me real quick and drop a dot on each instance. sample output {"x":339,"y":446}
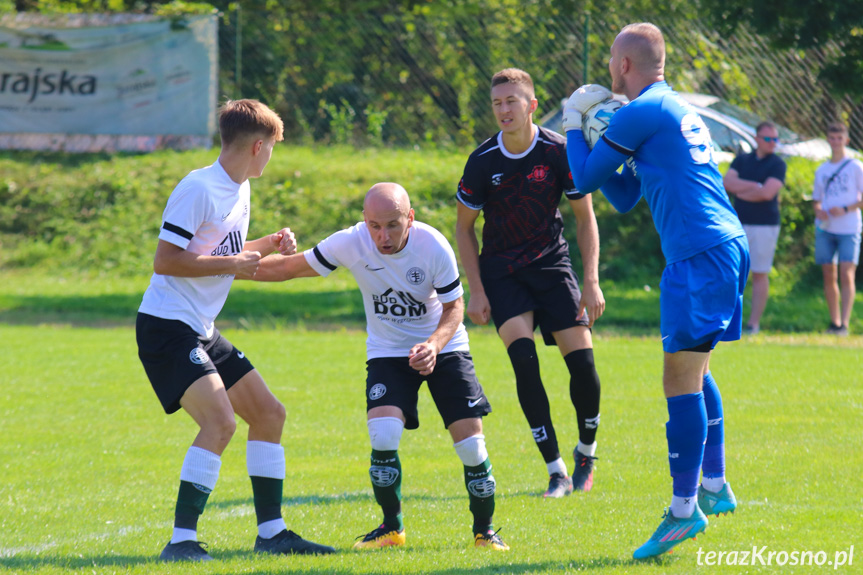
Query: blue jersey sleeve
{"x":622,"y":190}
{"x":597,"y":169}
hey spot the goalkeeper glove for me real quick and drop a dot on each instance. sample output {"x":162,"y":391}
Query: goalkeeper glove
{"x":580,"y":102}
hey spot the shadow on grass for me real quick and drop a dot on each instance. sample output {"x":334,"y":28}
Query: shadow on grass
{"x":29,"y":563}
{"x":22,"y":563}
{"x":294,"y":501}
{"x":244,"y":309}
{"x":341,"y":498}
{"x":248,"y":308}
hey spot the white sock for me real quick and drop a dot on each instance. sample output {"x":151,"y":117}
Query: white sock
{"x":683,"y":507}
{"x":472,"y":451}
{"x":385,"y":433}
{"x":585,"y":449}
{"x":200,"y":467}
{"x":269,"y":529}
{"x":264,"y":459}
{"x":557,"y":466}
{"x":181,"y":535}
{"x":713,"y":484}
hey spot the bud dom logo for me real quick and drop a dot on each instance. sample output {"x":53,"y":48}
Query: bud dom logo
{"x":398,"y":304}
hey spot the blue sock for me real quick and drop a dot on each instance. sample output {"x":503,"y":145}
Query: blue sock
{"x":686,"y":431}
{"x":714,"y":450}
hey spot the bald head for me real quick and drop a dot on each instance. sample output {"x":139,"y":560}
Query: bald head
{"x":388,"y":216}
{"x":387,"y":197}
{"x":644,"y":45}
{"x":637,"y":59}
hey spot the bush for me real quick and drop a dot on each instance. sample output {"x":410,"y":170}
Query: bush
{"x":99,"y":212}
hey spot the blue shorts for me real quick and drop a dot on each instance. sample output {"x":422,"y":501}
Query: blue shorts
{"x":830,"y":247}
{"x":701,"y":298}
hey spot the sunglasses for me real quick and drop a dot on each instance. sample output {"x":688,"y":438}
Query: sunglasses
{"x":769,"y":139}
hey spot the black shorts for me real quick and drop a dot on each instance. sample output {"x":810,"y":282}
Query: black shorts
{"x":547,"y":287}
{"x":175,"y":357}
{"x":453,"y":386}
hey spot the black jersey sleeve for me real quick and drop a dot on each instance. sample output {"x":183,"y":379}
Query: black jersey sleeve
{"x":472,"y":191}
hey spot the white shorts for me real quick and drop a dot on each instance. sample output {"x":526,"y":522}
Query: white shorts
{"x":762,"y":246}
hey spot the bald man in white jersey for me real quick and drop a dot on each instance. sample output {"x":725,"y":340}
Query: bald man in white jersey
{"x":412,"y":296}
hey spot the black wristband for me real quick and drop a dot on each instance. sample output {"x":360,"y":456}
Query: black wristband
{"x":846,"y":209}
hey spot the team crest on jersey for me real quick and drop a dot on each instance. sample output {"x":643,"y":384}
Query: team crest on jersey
{"x":495,"y":179}
{"x":415,"y":276}
{"x":539,"y":174}
{"x":198,"y":356}
{"x":377,"y":391}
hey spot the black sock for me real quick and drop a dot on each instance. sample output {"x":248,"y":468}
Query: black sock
{"x":532,"y":396}
{"x":584,"y":392}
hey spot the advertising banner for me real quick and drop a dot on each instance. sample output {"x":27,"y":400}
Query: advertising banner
{"x":135,"y":85}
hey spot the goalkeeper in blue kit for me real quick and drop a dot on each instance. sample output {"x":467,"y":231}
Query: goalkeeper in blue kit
{"x":667,"y":157}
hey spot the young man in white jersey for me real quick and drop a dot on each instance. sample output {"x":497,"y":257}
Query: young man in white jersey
{"x":202,"y":246}
{"x":412,"y":296}
{"x":837,"y":197}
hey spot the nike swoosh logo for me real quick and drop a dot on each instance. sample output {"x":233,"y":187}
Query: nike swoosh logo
{"x":373,"y":269}
{"x":473,"y":403}
{"x":225,"y":217}
{"x":241,"y":355}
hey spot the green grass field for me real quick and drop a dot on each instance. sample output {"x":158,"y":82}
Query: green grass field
{"x":89,"y":463}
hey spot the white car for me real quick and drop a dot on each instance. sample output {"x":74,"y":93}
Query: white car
{"x":732,"y":129}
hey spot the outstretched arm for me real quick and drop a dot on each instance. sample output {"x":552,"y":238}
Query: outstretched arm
{"x":423,"y":356}
{"x":172,"y":260}
{"x":283,"y":241}
{"x":277,"y":268}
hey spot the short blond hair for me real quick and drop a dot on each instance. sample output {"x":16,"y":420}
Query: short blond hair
{"x":837,"y":128}
{"x":241,"y":118}
{"x":514,"y":76}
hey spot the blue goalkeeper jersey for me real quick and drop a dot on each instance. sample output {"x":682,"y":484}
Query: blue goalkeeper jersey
{"x":668,"y":155}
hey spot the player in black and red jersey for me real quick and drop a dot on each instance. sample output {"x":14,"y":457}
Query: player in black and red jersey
{"x":523,"y":277}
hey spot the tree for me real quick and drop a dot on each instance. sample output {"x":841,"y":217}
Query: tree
{"x":804,"y":24}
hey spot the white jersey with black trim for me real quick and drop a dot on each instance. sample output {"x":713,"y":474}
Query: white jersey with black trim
{"x":207,"y":214}
{"x":403,"y":292}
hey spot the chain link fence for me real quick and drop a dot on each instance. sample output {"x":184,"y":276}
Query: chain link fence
{"x":412,"y":78}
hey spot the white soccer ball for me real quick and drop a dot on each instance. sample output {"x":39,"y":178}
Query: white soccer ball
{"x":595,"y":121}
